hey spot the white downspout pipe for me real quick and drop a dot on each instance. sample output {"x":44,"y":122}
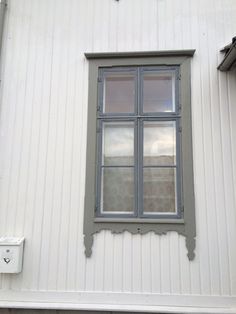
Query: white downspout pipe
{"x":3,"y":4}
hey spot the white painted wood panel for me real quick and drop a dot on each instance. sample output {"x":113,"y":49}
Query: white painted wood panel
{"x":43,"y":121}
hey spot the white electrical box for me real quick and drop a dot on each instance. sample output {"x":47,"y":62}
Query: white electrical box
{"x":11,"y":254}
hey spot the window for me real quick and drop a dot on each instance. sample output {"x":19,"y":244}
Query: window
{"x":139,"y":174}
{"x":138,"y":136}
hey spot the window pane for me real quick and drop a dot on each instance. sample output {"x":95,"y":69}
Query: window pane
{"x":119,"y":93}
{"x":118,"y":143}
{"x":159,"y":147}
{"x":117,"y":190}
{"x":159,"y":190}
{"x":159,"y":91}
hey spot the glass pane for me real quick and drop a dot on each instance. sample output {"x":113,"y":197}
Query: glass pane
{"x":118,"y":144}
{"x":119,"y":93}
{"x":159,"y":91}
{"x":117,"y":190}
{"x":159,"y":147}
{"x":159,"y":190}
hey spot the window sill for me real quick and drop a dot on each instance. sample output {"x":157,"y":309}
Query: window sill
{"x":138,"y":220}
{"x":138,"y":226}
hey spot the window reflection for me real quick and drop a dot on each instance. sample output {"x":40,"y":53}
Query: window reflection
{"x":117,"y":190}
{"x":119,"y":93}
{"x":158,"y":92}
{"x":159,"y":190}
{"x":159,"y":143}
{"x":118,"y":143}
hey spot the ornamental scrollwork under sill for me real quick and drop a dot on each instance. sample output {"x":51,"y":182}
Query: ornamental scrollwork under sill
{"x":159,"y":230}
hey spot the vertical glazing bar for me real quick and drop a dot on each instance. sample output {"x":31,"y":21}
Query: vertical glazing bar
{"x":98,"y":167}
{"x":139,"y":151}
{"x":136,"y":145}
{"x":177,"y":92}
{"x":136,"y":174}
{"x":178,"y":169}
{"x":140,"y":91}
{"x":100,"y":84}
{"x":140,"y":170}
{"x":179,"y":178}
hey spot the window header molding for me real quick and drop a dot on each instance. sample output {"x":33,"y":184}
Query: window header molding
{"x":161,"y":53}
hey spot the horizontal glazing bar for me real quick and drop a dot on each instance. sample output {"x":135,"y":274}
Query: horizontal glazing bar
{"x":144,"y":117}
{"x":160,"y":166}
{"x":115,"y":166}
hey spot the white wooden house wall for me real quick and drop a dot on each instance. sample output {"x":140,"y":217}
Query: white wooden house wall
{"x":44,"y":94}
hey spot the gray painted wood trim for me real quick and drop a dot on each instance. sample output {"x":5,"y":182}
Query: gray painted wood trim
{"x":164,"y":53}
{"x":187,"y":158}
{"x":229,"y":60}
{"x":139,"y":220}
{"x":92,"y":224}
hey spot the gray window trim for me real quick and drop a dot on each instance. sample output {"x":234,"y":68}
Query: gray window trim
{"x":138,"y":117}
{"x":93,"y":224}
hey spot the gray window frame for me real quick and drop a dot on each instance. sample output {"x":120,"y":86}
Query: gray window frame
{"x":184,"y":224}
{"x":138,"y":117}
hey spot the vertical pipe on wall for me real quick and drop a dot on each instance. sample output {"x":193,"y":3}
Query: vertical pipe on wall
{"x":3,"y":4}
